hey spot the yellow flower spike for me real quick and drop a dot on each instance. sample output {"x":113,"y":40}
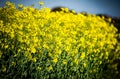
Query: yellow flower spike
{"x":109,"y":19}
{"x":57,"y":51}
{"x":18,"y":50}
{"x":12,"y":34}
{"x":74,"y":51}
{"x":107,"y":54}
{"x":76,"y":61}
{"x":20,"y":27}
{"x":34,"y":60}
{"x":50,"y":54}
{"x":100,"y":62}
{"x":48,"y":10}
{"x":39,"y":68}
{"x":82,"y":39}
{"x":82,"y":55}
{"x":33,"y":50}
{"x":64,"y":62}
{"x":13,"y":46}
{"x":20,"y":38}
{"x":35,"y":39}
{"x":102,"y":44}
{"x":101,"y":55}
{"x":26,"y":53}
{"x":41,"y":3}
{"x":11,"y":5}
{"x":29,"y":57}
{"x":63,"y":9}
{"x":20,"y":5}
{"x":50,"y":68}
{"x":55,"y":60}
{"x":45,"y":46}
{"x":8,"y":3}
{"x":67,"y":48}
{"x":85,"y":64}
{"x":6,"y":46}
{"x":66,"y":10}
{"x":73,"y":11}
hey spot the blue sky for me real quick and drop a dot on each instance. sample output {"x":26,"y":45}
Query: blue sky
{"x":110,"y":7}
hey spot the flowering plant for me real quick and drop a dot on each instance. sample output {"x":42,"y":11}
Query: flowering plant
{"x":38,"y":43}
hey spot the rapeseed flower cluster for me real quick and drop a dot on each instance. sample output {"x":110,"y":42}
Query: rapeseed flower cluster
{"x":39,"y":43}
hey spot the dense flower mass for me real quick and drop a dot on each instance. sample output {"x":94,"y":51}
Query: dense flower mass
{"x":39,"y":43}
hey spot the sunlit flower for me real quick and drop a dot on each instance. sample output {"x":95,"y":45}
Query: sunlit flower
{"x":34,"y":59}
{"x":85,"y":64}
{"x":20,"y":5}
{"x":64,"y":62}
{"x":50,"y":68}
{"x":39,"y":68}
{"x":82,"y":55}
{"x":41,"y":3}
{"x":55,"y":60}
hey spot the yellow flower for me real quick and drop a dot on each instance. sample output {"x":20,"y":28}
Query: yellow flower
{"x":33,"y":50}
{"x":34,"y":59}
{"x":107,"y":54}
{"x":49,"y":68}
{"x":20,"y":5}
{"x":101,"y":55}
{"x":73,"y":11}
{"x":39,"y":68}
{"x":20,"y":38}
{"x":26,"y":54}
{"x":76,"y":61}
{"x":100,"y":62}
{"x":6,"y":46}
{"x":85,"y":64}
{"x":45,"y":46}
{"x":35,"y":39}
{"x":82,"y":55}
{"x":41,"y":3}
{"x":50,"y":54}
{"x":12,"y":35}
{"x":65,"y":9}
{"x":67,"y":48}
{"x":55,"y":60}
{"x":64,"y":62}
